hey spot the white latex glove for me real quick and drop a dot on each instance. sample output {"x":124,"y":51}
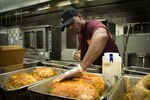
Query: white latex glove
{"x":77,"y":55}
{"x":75,"y":72}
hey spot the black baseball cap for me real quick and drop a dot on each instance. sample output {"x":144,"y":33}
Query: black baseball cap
{"x":67,"y":16}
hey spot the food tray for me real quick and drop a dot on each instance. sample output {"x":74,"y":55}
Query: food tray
{"x":119,"y":89}
{"x":136,"y":70}
{"x":4,"y":77}
{"x":20,"y":93}
{"x":40,"y":91}
{"x":71,"y":65}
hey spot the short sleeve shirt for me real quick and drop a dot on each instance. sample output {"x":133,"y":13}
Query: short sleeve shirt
{"x":86,"y":34}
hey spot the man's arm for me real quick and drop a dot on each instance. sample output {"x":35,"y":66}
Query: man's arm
{"x":97,"y":44}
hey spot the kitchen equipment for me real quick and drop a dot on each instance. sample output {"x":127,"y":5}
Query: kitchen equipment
{"x":136,"y":70}
{"x":139,"y":59}
{"x":20,"y":93}
{"x":139,"y":28}
{"x":37,"y":42}
{"x":69,"y":43}
{"x":118,"y":90}
{"x":40,"y":42}
{"x":35,"y":38}
{"x":41,"y":91}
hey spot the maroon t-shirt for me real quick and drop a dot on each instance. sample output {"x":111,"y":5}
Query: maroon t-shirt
{"x":85,"y":37}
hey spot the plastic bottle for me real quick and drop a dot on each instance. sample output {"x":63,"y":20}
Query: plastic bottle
{"x":111,"y":67}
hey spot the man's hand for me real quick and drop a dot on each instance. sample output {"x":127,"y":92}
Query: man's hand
{"x":77,"y":55}
{"x":75,"y":72}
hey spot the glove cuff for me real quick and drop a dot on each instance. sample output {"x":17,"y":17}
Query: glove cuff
{"x":80,"y":68}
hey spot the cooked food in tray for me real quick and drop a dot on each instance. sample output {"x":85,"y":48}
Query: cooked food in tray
{"x":87,"y":87}
{"x":18,"y":80}
{"x":95,"y":81}
{"x":42,"y":73}
{"x":141,"y":91}
{"x":75,"y":89}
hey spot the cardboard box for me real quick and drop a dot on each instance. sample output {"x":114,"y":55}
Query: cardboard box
{"x":10,"y":47}
{"x":11,"y":68}
{"x":11,"y":58}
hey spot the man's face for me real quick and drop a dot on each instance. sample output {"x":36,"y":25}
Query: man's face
{"x":75,"y":25}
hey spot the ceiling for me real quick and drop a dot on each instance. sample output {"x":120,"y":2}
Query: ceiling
{"x":116,"y":10}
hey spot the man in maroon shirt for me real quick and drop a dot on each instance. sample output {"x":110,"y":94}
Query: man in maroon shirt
{"x":94,"y":40}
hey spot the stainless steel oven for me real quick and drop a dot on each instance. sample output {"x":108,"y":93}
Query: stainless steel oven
{"x":69,"y":44}
{"x":42,"y":42}
{"x":35,"y":39}
{"x":29,"y":43}
{"x":41,"y":39}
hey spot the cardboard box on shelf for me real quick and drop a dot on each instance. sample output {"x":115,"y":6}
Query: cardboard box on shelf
{"x":11,"y":58}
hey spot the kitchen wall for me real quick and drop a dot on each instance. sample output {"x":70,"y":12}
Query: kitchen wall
{"x":15,"y":36}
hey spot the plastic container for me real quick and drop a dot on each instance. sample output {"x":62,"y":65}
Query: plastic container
{"x":111,"y":67}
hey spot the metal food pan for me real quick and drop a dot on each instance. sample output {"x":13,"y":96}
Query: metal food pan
{"x":1,"y":94}
{"x":91,"y":70}
{"x":4,"y":77}
{"x":20,"y":93}
{"x":136,"y":70}
{"x":41,"y":91}
{"x":119,"y":90}
{"x":53,"y":65}
{"x":60,"y":64}
{"x":71,"y":65}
